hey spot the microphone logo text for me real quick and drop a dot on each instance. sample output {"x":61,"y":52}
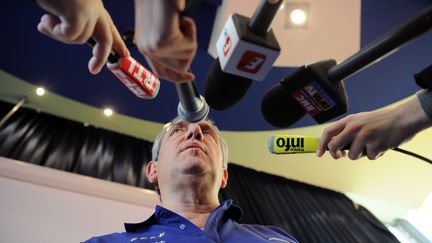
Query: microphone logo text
{"x":291,"y":144}
{"x":227,"y":46}
{"x":251,"y":62}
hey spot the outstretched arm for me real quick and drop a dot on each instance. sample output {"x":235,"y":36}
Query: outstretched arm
{"x":372,"y":133}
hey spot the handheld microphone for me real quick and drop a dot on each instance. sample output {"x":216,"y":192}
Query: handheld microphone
{"x":140,"y":81}
{"x":318,"y":87}
{"x":192,"y":106}
{"x":246,"y":50}
{"x":294,"y":144}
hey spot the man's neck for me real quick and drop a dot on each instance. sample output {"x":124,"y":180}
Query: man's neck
{"x":196,"y":210}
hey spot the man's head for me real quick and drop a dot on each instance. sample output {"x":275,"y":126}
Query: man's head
{"x":186,"y":154}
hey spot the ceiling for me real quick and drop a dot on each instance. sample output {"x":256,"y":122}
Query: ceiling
{"x":337,"y":30}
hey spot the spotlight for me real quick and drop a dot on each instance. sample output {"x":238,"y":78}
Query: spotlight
{"x":40,"y":91}
{"x":296,"y":15}
{"x":108,"y":112}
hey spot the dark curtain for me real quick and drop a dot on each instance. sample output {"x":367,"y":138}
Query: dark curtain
{"x":54,"y":142}
{"x":309,"y":213}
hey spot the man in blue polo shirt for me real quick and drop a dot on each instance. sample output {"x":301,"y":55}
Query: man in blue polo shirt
{"x":189,"y":164}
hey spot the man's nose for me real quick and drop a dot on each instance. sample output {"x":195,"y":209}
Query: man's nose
{"x":194,"y":132}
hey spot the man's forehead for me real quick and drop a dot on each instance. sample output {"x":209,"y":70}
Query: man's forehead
{"x":183,"y":123}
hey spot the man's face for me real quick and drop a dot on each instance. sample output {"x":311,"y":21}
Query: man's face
{"x":191,"y":152}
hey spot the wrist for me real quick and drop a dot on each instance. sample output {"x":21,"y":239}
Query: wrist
{"x":413,"y":115}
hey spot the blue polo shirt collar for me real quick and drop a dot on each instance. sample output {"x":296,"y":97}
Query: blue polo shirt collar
{"x":163,"y":216}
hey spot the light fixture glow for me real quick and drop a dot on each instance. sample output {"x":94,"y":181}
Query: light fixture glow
{"x":108,"y":112}
{"x":298,"y":16}
{"x":40,"y":91}
{"x":282,"y":6}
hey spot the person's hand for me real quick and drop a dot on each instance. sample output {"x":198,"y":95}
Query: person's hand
{"x":76,"y":21}
{"x":167,"y":41}
{"x":372,"y":133}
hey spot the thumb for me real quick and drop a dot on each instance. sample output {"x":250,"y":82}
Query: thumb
{"x":188,"y":27}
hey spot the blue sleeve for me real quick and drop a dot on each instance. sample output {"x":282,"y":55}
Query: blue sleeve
{"x":425,"y":98}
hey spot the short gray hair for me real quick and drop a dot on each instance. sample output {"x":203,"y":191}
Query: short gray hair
{"x":158,"y":141}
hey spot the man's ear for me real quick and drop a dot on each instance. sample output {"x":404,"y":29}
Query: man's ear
{"x":152,"y":172}
{"x":224,"y":181}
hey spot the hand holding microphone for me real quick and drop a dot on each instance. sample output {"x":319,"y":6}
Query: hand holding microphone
{"x":76,"y":21}
{"x":295,"y":144}
{"x":166,"y":39}
{"x":140,"y":81}
{"x":373,"y":133}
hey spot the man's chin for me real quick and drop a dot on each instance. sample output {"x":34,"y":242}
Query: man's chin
{"x":194,"y":169}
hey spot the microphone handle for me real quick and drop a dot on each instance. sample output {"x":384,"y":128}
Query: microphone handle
{"x":263,"y":16}
{"x":188,"y":96}
{"x":383,"y":46}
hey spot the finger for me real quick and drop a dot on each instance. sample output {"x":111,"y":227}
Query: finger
{"x":173,"y":53}
{"x":46,"y":25}
{"x":69,"y":29}
{"x":188,"y":27}
{"x":373,"y":151}
{"x":342,"y":139}
{"x":336,"y":154}
{"x":101,"y":50}
{"x":327,"y":135}
{"x":86,"y":33}
{"x":357,"y":149}
{"x":163,"y":72}
{"x":118,"y":44}
{"x":176,"y":65}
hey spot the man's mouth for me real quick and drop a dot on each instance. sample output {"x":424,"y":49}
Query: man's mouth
{"x":191,"y":146}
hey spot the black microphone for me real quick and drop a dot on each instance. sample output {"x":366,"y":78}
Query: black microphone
{"x":247,"y":49}
{"x":192,"y":106}
{"x":318,"y":87}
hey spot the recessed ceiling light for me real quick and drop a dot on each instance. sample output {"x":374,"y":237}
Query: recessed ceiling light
{"x":108,"y":112}
{"x":298,"y":16}
{"x":40,"y":91}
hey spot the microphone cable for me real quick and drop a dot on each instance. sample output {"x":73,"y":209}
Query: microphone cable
{"x":415,"y":155}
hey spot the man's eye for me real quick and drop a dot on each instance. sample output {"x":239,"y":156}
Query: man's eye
{"x":176,"y":130}
{"x":209,"y":133}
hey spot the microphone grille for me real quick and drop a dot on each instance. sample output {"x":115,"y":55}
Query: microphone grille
{"x":194,"y":116}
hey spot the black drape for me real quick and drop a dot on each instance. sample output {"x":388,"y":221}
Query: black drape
{"x":309,"y":213}
{"x":51,"y":141}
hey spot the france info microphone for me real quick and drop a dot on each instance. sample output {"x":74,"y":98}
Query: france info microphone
{"x":140,"y":81}
{"x":192,"y":106}
{"x":318,"y":87}
{"x":294,"y":144}
{"x":246,"y":51}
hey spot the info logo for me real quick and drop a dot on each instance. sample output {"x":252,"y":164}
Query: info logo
{"x":251,"y":62}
